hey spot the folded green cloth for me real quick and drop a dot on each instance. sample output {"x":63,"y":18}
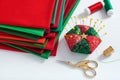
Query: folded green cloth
{"x":21,"y":34}
{"x":34,"y":31}
{"x":61,"y":19}
{"x":67,"y":18}
{"x":45,"y":54}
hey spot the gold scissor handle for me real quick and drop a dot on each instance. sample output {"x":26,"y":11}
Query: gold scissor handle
{"x":86,"y":67}
{"x":92,"y":72}
{"x":95,"y":64}
{"x":89,"y":70}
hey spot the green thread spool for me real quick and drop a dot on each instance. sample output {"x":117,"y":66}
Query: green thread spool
{"x":108,"y":7}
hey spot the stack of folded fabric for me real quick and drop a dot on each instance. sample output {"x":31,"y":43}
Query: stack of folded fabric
{"x":34,"y":26}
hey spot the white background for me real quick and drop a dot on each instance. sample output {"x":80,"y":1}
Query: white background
{"x":20,"y":66}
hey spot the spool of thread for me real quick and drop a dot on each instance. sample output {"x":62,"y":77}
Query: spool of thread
{"x":94,"y":8}
{"x":108,"y":7}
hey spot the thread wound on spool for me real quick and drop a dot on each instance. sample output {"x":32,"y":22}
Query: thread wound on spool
{"x":95,"y":7}
{"x":110,"y":12}
{"x":108,"y":7}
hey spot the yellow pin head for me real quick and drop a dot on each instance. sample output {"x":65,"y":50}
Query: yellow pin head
{"x":82,"y":16}
{"x":71,"y":36}
{"x":75,"y":22}
{"x":83,"y":21}
{"x":95,"y":24}
{"x":103,"y":26}
{"x":105,"y":33}
{"x":64,"y":35}
{"x":73,"y":28}
{"x":86,"y":16}
{"x":74,"y":16}
{"x":91,"y":19}
{"x":79,"y":16}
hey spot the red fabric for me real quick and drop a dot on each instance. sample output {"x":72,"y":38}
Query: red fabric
{"x":51,"y":35}
{"x":27,"y":13}
{"x":49,"y":46}
{"x":9,"y":48}
{"x":39,"y":51}
{"x":67,"y":1}
{"x":70,"y":5}
{"x":54,"y":52}
{"x":57,"y":15}
{"x":12,"y":37}
{"x":84,"y":28}
{"x":72,"y":41}
{"x":51,"y":43}
{"x":93,"y":42}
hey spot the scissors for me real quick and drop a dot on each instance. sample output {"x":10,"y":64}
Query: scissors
{"x":85,"y":65}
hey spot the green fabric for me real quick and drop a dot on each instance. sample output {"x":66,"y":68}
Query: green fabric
{"x":54,"y":13}
{"x":82,"y":47}
{"x":108,"y":5}
{"x":34,"y":31}
{"x":61,"y":19}
{"x":45,"y":55}
{"x":91,"y":31}
{"x":67,"y":18}
{"x":75,"y":30}
{"x":29,"y":36}
{"x":70,"y":14}
{"x":31,"y":44}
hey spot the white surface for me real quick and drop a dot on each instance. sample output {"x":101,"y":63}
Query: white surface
{"x":17,"y":66}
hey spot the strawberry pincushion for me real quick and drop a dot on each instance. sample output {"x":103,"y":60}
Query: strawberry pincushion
{"x":82,"y":39}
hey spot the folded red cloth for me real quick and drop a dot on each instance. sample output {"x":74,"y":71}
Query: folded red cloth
{"x":5,"y":47}
{"x":40,"y":40}
{"x":66,"y":4}
{"x":11,"y":37}
{"x":54,"y":52}
{"x":57,"y":15}
{"x":27,"y":13}
{"x":69,"y":7}
{"x":39,"y":51}
{"x":49,"y":45}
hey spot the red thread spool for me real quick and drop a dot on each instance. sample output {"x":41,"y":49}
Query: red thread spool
{"x":95,"y":7}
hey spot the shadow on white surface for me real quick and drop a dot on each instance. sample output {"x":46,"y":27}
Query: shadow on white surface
{"x":83,"y":14}
{"x":64,"y":53}
{"x":22,"y":55}
{"x":101,"y":57}
{"x":104,"y":14}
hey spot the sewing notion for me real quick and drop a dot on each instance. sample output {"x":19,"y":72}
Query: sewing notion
{"x":82,"y":39}
{"x":94,"y":8}
{"x":108,"y":7}
{"x":85,"y":65}
{"x":34,"y":27}
{"x":106,"y":4}
{"x":108,"y":52}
